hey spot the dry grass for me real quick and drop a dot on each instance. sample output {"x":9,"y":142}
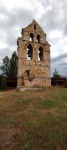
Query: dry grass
{"x":33,"y":120}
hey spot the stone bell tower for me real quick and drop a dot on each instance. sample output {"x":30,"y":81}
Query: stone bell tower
{"x":33,"y":58}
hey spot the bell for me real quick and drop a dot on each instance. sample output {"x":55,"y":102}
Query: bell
{"x":29,"y":53}
{"x":40,"y":54}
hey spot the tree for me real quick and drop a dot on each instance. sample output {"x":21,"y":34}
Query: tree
{"x":13,"y":65}
{"x":9,"y":66}
{"x":6,"y":66}
{"x":56,"y":75}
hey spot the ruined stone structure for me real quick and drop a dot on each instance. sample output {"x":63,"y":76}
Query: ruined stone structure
{"x":33,"y":57}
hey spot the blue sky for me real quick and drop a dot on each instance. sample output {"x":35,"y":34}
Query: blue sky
{"x":51,"y":16}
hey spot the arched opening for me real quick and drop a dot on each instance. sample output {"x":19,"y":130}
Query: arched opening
{"x":29,"y":52}
{"x":38,"y":38}
{"x":40,"y":53}
{"x":31,"y":37}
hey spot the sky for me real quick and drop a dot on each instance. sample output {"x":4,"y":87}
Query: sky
{"x":51,"y":15}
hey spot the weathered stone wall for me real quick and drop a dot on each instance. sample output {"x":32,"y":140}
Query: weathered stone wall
{"x":34,"y":72}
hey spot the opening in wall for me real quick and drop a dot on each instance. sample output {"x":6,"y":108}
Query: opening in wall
{"x":40,"y":53}
{"x":28,"y":73}
{"x":31,"y":37}
{"x":38,"y":38}
{"x":29,"y":52}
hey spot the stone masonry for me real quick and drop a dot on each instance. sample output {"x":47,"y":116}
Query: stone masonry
{"x":33,"y":58}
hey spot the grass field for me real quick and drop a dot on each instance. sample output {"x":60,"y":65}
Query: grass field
{"x":34,"y":120}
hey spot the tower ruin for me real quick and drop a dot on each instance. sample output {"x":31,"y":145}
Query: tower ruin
{"x":33,"y":58}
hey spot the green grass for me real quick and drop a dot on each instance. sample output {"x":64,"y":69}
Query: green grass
{"x":47,"y":104}
{"x":34,"y":120}
{"x":24,"y":101}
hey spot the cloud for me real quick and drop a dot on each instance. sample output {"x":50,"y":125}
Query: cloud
{"x":61,"y":57}
{"x":10,"y":28}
